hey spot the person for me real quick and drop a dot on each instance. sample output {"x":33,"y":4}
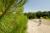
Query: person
{"x":39,"y":22}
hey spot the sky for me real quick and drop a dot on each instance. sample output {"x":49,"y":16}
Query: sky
{"x":37,"y":5}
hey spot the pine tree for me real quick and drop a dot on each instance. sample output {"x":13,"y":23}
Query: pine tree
{"x":12,"y":19}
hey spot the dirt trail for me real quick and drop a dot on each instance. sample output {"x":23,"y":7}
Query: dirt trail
{"x":34,"y":28}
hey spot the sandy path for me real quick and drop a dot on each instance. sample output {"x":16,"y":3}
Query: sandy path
{"x":34,"y":28}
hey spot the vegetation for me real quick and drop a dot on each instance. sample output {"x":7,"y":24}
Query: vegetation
{"x":39,"y":14}
{"x":12,"y":20}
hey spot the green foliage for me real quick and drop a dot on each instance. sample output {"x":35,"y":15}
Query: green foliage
{"x":12,"y":19}
{"x":9,"y":4}
{"x":38,"y":14}
{"x":22,"y":24}
{"x":13,"y":24}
